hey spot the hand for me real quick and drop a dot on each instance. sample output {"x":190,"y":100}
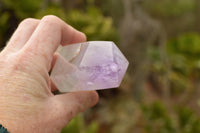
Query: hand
{"x":27,"y":104}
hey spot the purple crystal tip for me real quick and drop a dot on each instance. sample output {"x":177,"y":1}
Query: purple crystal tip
{"x":90,"y":65}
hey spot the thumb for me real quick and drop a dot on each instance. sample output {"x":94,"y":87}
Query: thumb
{"x":68,"y":105}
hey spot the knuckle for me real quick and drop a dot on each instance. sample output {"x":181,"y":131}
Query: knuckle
{"x":17,"y":63}
{"x":20,"y":61}
{"x":50,"y":19}
{"x":27,"y":21}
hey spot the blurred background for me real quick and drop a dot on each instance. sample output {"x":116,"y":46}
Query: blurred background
{"x":160,"y":92}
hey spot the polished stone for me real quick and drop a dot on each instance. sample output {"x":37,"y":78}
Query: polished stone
{"x":90,"y":65}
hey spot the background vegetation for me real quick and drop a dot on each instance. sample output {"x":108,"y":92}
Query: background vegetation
{"x":161,"y":39}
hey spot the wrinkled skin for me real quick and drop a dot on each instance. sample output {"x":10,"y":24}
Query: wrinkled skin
{"x":27,"y":104}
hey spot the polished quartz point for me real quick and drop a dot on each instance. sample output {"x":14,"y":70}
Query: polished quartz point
{"x":87,"y":66}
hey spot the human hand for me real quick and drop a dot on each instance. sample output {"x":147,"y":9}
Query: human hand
{"x":27,"y":104}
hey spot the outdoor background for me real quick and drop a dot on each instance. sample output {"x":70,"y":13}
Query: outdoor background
{"x":161,"y":39}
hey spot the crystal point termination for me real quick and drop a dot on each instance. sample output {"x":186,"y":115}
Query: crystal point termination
{"x":90,"y":65}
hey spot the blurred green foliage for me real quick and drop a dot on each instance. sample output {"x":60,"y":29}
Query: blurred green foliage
{"x":77,"y":125}
{"x":184,"y":56}
{"x":177,"y":119}
{"x":186,"y":44}
{"x":23,"y":8}
{"x":158,"y":119}
{"x":168,"y":8}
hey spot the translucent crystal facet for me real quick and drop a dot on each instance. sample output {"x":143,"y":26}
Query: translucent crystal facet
{"x":89,"y":66}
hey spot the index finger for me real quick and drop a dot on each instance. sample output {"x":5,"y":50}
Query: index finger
{"x":50,"y":33}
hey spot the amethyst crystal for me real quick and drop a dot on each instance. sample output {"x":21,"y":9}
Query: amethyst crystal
{"x":89,"y":66}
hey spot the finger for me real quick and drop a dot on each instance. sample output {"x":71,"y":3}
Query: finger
{"x":53,"y":86}
{"x":51,"y":32}
{"x":70,"y":104}
{"x":22,"y":34}
{"x":55,"y":56}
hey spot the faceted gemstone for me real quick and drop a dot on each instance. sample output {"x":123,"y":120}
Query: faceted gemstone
{"x":88,"y":66}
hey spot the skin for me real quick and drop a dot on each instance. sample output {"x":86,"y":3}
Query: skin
{"x":26,"y":100}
